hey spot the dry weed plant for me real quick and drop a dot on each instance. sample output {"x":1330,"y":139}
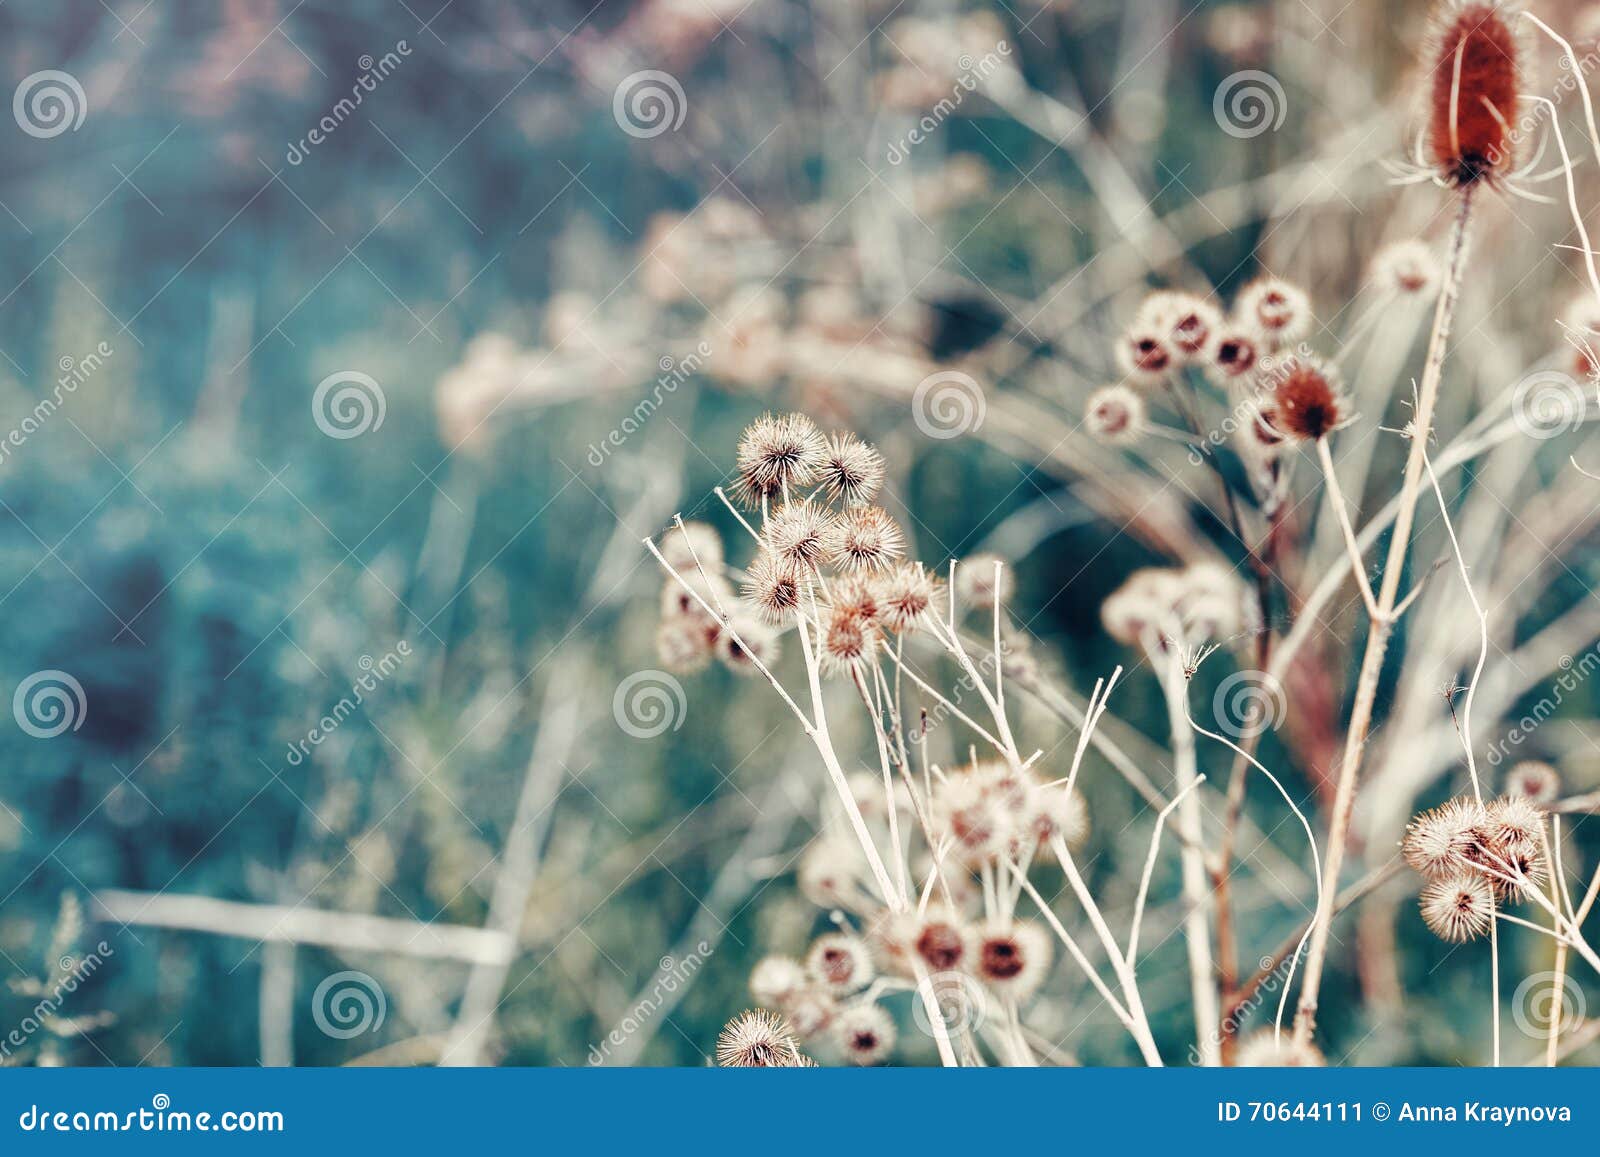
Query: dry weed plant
{"x":948,"y":860}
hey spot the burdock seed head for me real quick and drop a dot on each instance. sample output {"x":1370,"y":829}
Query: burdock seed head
{"x":1307,"y":404}
{"x":865,"y":1034}
{"x":1276,"y":309}
{"x":851,"y":471}
{"x":1459,"y":907}
{"x":1114,"y":415}
{"x":778,"y":452}
{"x":1474,"y":74}
{"x":757,"y":1039}
{"x":865,"y":540}
{"x":1534,"y":781}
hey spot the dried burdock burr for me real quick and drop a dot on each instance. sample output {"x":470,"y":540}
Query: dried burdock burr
{"x":1474,"y":75}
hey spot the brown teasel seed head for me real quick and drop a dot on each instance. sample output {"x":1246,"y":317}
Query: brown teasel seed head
{"x":1306,"y":402}
{"x":848,"y":638}
{"x":1474,"y":64}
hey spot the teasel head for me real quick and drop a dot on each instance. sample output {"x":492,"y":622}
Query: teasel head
{"x":1307,"y":403}
{"x":771,"y":588}
{"x":906,"y":597}
{"x":1268,"y":1049}
{"x":1474,"y":75}
{"x":1458,"y":907}
{"x":1276,"y":309}
{"x":1406,"y":269}
{"x":840,"y":963}
{"x":848,"y":639}
{"x":1535,"y":781}
{"x":865,"y":1034}
{"x":982,"y":580}
{"x":756,"y":641}
{"x":865,"y":540}
{"x":775,"y":979}
{"x":852,"y":470}
{"x":757,"y":1039}
{"x":685,"y":646}
{"x":778,"y":453}
{"x":1234,"y":355}
{"x":1144,"y":356}
{"x":1115,"y":415}
{"x":1186,"y":320}
{"x":1012,"y":957}
{"x":684,"y":546}
{"x":799,"y":534}
{"x":1443,"y":842}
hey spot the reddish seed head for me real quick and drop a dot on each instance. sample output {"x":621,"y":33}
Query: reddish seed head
{"x":1306,"y":405}
{"x":1473,"y":83}
{"x":1235,"y":355}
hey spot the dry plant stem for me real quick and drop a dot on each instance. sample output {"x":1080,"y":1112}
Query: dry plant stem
{"x":1483,"y":629}
{"x":1336,"y":498}
{"x":1149,"y":870}
{"x":1196,"y":895}
{"x":1557,"y":871}
{"x":1378,"y":636}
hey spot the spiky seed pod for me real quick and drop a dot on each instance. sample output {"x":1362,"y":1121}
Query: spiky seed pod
{"x":811,"y":1011}
{"x":852,"y":471}
{"x":1306,"y":402}
{"x":905,"y":597}
{"x":865,"y":1034}
{"x":1474,"y":75}
{"x":772,"y":587}
{"x":1013,"y":958}
{"x":978,"y":824}
{"x":981,"y":584}
{"x":1144,"y":357}
{"x":1051,"y":811}
{"x":756,"y":641}
{"x":678,"y":603}
{"x":1114,"y":415}
{"x":1186,"y":321}
{"x":1535,"y":781}
{"x":778,"y":453}
{"x":694,"y":540}
{"x":1458,"y":908}
{"x":757,"y":1039}
{"x":865,"y":540}
{"x":829,"y":874}
{"x":1407,"y":269}
{"x":848,"y":638}
{"x":684,"y":646}
{"x":1276,"y":309}
{"x":1234,"y":354}
{"x":1440,"y":842}
{"x":799,"y":534}
{"x":943,"y":942}
{"x":775,"y":979}
{"x":1266,"y":1049}
{"x":840,"y":963}
{"x":1515,"y":837}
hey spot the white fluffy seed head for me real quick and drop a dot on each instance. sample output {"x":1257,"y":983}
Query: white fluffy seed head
{"x":775,"y":979}
{"x":840,"y":963}
{"x":1440,"y":842}
{"x":756,"y":641}
{"x":1267,"y":1049}
{"x":865,"y":1034}
{"x":685,"y":646}
{"x":1459,"y":907}
{"x":1012,"y":957}
{"x":1186,"y":321}
{"x":757,"y":1039}
{"x":906,"y":597}
{"x":681,"y":546}
{"x":983,"y":580}
{"x":829,"y":873}
{"x":1407,"y":268}
{"x":1276,"y":309}
{"x":771,"y":588}
{"x":1534,"y":780}
{"x":800,"y":534}
{"x":1115,"y":415}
